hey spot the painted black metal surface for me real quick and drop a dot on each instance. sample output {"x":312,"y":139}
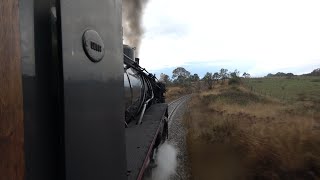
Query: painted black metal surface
{"x":129,"y":51}
{"x":93,"y":45}
{"x":139,"y":138}
{"x":93,"y":92}
{"x":74,"y":106}
{"x":44,"y":145}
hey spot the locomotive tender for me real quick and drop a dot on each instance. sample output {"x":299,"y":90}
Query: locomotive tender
{"x":83,"y":109}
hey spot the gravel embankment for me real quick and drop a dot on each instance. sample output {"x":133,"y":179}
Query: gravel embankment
{"x":177,"y":137}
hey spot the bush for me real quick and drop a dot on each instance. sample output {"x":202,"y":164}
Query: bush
{"x":235,"y":80}
{"x":233,"y":96}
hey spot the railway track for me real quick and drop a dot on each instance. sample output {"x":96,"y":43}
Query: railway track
{"x":174,"y":106}
{"x":177,"y":136}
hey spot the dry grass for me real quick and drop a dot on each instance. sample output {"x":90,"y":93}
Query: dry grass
{"x":235,"y":134}
{"x":174,"y":92}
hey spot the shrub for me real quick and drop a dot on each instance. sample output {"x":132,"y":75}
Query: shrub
{"x":234,"y":80}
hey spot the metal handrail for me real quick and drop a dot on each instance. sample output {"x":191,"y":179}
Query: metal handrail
{"x":145,"y":105}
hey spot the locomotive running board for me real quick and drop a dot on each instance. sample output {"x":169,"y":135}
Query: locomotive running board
{"x":140,"y":140}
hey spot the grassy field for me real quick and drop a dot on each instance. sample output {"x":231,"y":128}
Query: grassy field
{"x":289,"y":89}
{"x":236,"y":133}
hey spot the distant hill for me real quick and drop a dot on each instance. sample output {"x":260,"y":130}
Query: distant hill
{"x":280,"y":74}
{"x":315,"y":72}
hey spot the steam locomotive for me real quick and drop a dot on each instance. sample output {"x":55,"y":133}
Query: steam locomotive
{"x":146,"y":115}
{"x":75,"y":103}
{"x":142,"y":88}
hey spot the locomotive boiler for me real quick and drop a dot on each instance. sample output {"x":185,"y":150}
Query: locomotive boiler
{"x":141,"y":88}
{"x":145,"y":115}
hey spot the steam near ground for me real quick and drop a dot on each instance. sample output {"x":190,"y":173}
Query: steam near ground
{"x":166,"y":162}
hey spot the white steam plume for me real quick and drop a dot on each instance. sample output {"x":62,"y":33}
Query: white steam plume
{"x":166,"y":162}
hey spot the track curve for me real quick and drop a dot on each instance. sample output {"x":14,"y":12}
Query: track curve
{"x":177,"y":136}
{"x":174,"y":106}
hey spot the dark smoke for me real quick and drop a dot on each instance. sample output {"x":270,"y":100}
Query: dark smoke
{"x":132,"y":11}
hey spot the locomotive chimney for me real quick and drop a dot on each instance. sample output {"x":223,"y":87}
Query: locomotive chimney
{"x":129,"y":51}
{"x":137,"y":60}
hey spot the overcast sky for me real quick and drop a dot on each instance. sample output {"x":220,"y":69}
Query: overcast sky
{"x":252,"y":36}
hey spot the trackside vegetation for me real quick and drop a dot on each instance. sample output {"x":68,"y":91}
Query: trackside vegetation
{"x":253,"y":128}
{"x":236,"y":133}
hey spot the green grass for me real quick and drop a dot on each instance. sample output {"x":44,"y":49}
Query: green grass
{"x":233,"y":95}
{"x":289,"y":89}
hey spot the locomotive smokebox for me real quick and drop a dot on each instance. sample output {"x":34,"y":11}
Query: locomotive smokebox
{"x":129,"y":51}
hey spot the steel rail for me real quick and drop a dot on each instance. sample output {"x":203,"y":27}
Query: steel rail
{"x":180,"y":101}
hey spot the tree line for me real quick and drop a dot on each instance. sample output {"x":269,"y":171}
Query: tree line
{"x":181,"y":76}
